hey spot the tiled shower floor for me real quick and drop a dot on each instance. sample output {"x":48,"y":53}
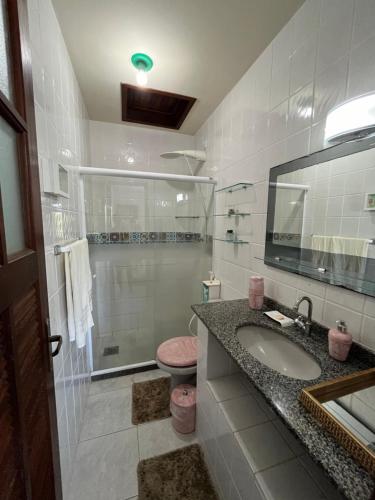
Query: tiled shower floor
{"x":110,"y":446}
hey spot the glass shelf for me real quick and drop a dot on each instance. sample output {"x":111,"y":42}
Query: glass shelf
{"x":242,"y":214}
{"x":235,"y":242}
{"x":187,"y":216}
{"x":235,"y":187}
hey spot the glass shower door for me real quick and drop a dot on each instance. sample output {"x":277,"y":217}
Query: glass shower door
{"x":149,"y":250}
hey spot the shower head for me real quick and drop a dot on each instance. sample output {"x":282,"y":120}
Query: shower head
{"x":189,"y":153}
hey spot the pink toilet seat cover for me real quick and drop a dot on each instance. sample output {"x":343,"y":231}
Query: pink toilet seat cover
{"x":179,"y":351}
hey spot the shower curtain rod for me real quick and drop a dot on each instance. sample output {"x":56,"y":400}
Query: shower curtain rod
{"x":112,"y":172}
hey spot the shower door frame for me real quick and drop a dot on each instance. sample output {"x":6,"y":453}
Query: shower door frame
{"x":83,"y":171}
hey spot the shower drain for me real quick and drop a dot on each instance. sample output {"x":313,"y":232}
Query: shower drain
{"x":110,"y":351}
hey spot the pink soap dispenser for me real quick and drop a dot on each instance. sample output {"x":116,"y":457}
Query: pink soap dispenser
{"x":340,"y":341}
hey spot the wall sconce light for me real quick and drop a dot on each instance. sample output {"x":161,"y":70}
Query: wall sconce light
{"x":352,"y":120}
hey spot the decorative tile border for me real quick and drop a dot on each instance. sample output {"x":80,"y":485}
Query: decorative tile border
{"x":140,"y":238}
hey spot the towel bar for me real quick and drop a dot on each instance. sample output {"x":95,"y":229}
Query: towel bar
{"x":59,"y":249}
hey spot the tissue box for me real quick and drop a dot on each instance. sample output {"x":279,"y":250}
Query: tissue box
{"x":210,"y":290}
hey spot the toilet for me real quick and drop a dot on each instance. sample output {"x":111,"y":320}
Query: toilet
{"x":178,"y":356}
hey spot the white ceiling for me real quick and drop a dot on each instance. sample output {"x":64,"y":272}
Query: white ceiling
{"x":200,"y":48}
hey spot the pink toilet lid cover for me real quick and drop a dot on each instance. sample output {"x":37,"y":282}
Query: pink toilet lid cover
{"x":179,"y":351}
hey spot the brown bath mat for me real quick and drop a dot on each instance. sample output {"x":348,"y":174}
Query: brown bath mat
{"x":151,"y":400}
{"x":179,"y":474}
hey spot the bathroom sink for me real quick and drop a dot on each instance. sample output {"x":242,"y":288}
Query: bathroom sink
{"x":278,"y":352}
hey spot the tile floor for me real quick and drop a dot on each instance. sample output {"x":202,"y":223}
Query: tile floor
{"x":111,"y":446}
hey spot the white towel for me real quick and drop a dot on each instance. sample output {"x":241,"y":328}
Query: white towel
{"x":321,"y":245}
{"x":340,"y":253}
{"x":353,"y":252}
{"x":78,"y":292}
{"x":358,"y":247}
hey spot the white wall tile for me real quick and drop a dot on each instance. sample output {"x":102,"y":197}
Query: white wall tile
{"x":344,"y":67}
{"x":282,"y":46}
{"x":278,"y":122}
{"x":138,"y":205}
{"x":368,"y":332}
{"x":242,"y":413}
{"x":303,"y":64}
{"x":362,"y":68}
{"x":263,"y":446}
{"x":305,"y":22}
{"x":346,"y":298}
{"x":250,"y":453}
{"x":61,"y":122}
{"x":289,"y":480}
{"x":298,"y":144}
{"x":364,"y":21}
{"x":245,"y":481}
{"x":330,"y":88}
{"x":320,"y":478}
{"x":336,"y":21}
{"x":369,"y":307}
{"x":333,"y":312}
{"x":300,"y":110}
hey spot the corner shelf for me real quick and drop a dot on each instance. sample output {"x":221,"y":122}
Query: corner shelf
{"x":235,"y":187}
{"x":235,"y":242}
{"x":240,"y":214}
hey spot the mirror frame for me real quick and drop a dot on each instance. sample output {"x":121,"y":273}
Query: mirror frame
{"x":287,"y":258}
{"x":312,"y":398}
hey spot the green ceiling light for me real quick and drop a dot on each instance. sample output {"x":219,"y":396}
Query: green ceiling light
{"x":142,"y":63}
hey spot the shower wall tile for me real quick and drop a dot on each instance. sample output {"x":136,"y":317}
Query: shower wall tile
{"x":145,"y":210}
{"x":325,"y":65}
{"x":142,"y":237}
{"x":62,"y":135}
{"x":112,"y":146}
{"x":134,"y":205}
{"x":142,"y":296}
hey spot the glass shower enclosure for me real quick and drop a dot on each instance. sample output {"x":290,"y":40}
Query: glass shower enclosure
{"x":150,"y":247}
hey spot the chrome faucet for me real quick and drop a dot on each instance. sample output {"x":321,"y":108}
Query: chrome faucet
{"x":304,"y":324}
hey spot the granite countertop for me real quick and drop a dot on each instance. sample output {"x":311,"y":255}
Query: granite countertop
{"x":223,"y":319}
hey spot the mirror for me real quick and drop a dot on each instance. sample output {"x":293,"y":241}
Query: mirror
{"x":321,"y":216}
{"x":357,"y":412}
{"x":346,"y":407}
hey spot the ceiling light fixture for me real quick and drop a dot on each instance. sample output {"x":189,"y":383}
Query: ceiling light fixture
{"x":143,"y":64}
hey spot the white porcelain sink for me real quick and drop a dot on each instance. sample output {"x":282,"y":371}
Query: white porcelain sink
{"x":278,"y":352}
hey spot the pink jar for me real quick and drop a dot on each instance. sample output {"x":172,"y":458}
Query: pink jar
{"x":256,"y":292}
{"x":183,"y":404}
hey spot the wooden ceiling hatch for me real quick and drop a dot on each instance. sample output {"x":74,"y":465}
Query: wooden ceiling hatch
{"x":154,"y":107}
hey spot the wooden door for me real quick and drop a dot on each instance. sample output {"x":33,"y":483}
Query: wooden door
{"x":29,"y":459}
